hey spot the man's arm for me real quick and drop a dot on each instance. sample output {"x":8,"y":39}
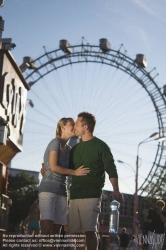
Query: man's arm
{"x":116,"y":194}
{"x":110,"y":168}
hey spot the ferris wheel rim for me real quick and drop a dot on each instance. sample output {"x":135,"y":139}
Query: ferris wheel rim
{"x":115,"y":58}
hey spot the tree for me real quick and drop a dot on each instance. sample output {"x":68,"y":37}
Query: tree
{"x":157,"y":189}
{"x":23,"y":190}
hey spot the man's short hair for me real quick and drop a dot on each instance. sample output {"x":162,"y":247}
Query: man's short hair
{"x":161,"y":201}
{"x":123,"y":230}
{"x":89,"y":120}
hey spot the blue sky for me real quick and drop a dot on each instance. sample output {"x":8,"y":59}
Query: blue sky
{"x":125,"y":114}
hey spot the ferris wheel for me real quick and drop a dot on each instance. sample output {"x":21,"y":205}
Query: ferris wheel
{"x":106,"y":82}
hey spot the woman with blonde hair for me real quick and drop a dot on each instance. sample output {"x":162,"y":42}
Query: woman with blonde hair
{"x":52,"y":189}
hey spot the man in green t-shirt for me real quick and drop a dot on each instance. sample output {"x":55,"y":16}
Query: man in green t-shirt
{"x":86,"y":191}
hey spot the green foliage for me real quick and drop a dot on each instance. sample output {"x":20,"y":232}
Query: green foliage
{"x":23,"y":190}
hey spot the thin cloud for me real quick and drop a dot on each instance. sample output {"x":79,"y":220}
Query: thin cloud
{"x":138,"y":33}
{"x":147,"y":9}
{"x":144,"y":37}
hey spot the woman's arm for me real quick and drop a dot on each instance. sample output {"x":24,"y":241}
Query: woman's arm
{"x":53,"y":161}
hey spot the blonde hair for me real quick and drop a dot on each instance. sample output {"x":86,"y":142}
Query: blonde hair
{"x":62,"y":122}
{"x":161,"y":201}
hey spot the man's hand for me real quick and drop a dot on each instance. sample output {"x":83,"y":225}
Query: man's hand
{"x":163,"y":218}
{"x":43,"y":170}
{"x":116,"y":195}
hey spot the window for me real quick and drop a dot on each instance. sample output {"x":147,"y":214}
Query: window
{"x":124,"y":206}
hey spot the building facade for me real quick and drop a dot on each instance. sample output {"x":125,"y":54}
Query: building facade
{"x":125,"y":215}
{"x":13,"y":96}
{"x":125,"y":211}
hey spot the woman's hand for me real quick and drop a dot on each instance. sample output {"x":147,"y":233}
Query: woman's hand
{"x":81,"y":171}
{"x":43,"y":170}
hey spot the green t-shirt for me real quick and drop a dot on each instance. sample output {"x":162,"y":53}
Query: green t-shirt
{"x":96,"y":155}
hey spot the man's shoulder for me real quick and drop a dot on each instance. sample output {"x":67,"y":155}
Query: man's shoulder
{"x":96,"y":141}
{"x":101,"y":143}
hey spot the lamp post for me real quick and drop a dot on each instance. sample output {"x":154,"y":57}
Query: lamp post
{"x":135,"y":215}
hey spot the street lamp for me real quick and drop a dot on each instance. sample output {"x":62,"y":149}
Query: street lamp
{"x":135,"y":217}
{"x":30,"y":103}
{"x":126,"y":164}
